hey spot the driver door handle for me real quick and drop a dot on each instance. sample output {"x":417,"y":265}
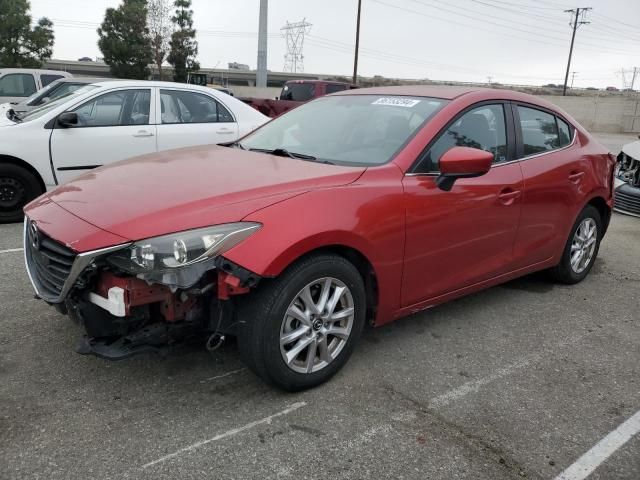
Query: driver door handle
{"x":143,"y":133}
{"x":508,"y":195}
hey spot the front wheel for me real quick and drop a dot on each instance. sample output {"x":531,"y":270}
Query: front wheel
{"x":17,"y":188}
{"x":581,"y":248}
{"x":299,"y":329}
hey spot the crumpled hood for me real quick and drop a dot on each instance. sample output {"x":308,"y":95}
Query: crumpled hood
{"x":190,"y":188}
{"x":632,"y":150}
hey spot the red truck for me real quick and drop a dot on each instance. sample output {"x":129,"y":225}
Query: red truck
{"x":294,"y":93}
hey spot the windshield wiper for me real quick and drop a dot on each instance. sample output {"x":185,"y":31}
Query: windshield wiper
{"x":283,"y":152}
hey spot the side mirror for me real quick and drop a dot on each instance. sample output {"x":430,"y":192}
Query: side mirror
{"x":68,"y":119}
{"x":462,"y":162}
{"x":45,"y":100}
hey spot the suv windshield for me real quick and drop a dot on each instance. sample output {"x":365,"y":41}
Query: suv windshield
{"x":347,"y":129}
{"x":298,"y":92}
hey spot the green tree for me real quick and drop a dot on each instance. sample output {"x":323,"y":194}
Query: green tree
{"x":21,"y":45}
{"x":160,"y":29}
{"x":124,"y":40}
{"x":184,"y":47}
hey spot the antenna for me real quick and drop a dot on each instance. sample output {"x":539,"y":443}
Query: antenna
{"x":294,"y":34}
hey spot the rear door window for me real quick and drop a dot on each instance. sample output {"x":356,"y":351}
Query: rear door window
{"x":179,"y":106}
{"x":564,"y":133}
{"x":539,"y":131}
{"x":17,"y":85}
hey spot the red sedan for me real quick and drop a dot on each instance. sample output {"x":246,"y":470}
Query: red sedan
{"x":364,"y":206}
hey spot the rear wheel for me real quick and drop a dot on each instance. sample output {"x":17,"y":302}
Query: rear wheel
{"x":581,"y":249}
{"x":17,"y":188}
{"x":300,"y":329}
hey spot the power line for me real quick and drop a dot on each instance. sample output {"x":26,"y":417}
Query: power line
{"x":535,"y":34}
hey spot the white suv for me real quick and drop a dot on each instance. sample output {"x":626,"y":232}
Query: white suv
{"x":16,"y":84}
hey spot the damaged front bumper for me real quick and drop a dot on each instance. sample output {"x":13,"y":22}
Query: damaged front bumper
{"x":124,"y":315}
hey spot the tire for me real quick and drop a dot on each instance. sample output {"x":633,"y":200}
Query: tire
{"x":265,"y":320}
{"x":17,"y":188}
{"x":570,"y":274}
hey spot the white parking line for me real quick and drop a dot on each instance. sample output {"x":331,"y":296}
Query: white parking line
{"x":228,"y":433}
{"x":588,"y":462}
{"x":11,"y":250}
{"x":232,"y":372}
{"x":474,"y":386}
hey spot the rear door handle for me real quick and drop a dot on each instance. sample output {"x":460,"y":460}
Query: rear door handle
{"x":507,"y":196}
{"x":225,"y":131}
{"x":575,"y":177}
{"x":142,"y":133}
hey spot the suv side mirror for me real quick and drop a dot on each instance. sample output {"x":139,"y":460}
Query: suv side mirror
{"x":462,"y":162}
{"x":68,"y":119}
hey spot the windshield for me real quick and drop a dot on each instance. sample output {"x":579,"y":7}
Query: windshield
{"x":298,"y":92}
{"x":41,"y":93}
{"x":40,"y":111}
{"x":347,"y":129}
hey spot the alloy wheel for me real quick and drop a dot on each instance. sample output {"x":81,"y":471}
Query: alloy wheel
{"x":317,"y":325}
{"x":583,"y":246}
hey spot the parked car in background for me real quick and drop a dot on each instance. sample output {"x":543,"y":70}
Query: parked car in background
{"x":627,"y":198}
{"x":367,"y":205}
{"x":16,"y":84}
{"x":105,"y":122}
{"x":295,"y":93}
{"x":56,"y":89}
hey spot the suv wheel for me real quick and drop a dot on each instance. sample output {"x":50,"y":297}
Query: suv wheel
{"x":300,"y":329}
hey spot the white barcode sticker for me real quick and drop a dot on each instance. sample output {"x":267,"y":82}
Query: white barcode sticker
{"x":397,"y":102}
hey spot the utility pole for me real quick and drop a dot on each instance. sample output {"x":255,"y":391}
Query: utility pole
{"x":575,"y":23}
{"x":355,"y":59}
{"x":636,"y":70}
{"x":489,"y":78}
{"x":261,"y":68}
{"x":573,"y":77}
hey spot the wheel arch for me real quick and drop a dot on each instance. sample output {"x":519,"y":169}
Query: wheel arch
{"x":22,"y":164}
{"x":604,"y":210}
{"x":348,"y":250}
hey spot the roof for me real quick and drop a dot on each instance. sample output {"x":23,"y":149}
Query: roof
{"x":436,"y":91}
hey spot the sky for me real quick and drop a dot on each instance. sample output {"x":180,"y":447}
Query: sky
{"x":507,"y":41}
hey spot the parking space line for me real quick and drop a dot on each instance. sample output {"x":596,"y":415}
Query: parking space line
{"x":474,"y":386}
{"x":588,"y":462}
{"x":228,"y":433}
{"x":232,"y":372}
{"x":11,"y":250}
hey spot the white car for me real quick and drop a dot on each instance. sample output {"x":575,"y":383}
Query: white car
{"x":105,"y":122}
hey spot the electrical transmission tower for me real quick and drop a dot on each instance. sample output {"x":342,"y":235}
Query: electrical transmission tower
{"x":294,"y":34}
{"x":577,"y":19}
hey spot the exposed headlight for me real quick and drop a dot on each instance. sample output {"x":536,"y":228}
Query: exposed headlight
{"x":171,"y":252}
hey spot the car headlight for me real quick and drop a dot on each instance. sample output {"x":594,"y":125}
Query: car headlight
{"x":172,"y":252}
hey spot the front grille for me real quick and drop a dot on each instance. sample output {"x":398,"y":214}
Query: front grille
{"x":626,"y":201}
{"x":49,"y":262}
